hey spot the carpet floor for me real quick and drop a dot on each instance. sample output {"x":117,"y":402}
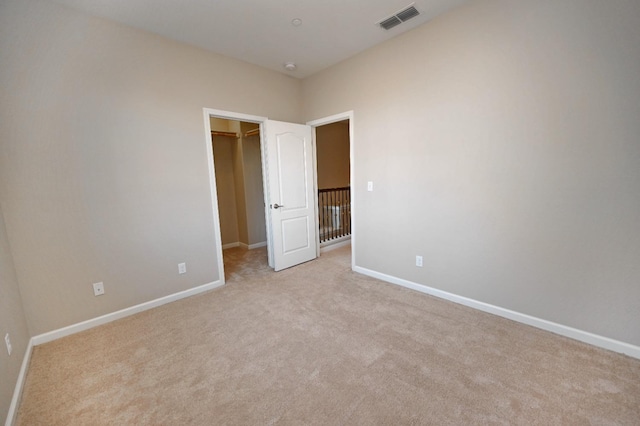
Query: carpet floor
{"x":321,"y":345}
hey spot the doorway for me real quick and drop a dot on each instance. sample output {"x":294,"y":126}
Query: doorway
{"x":289,"y":182}
{"x":238,"y":173}
{"x":209,"y":116}
{"x":337,"y":132}
{"x":288,"y":187}
{"x":333,"y":183}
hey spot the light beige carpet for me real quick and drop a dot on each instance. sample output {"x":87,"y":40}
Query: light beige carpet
{"x":319,"y":344}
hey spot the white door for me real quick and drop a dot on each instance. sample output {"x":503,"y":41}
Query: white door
{"x":292,"y":213}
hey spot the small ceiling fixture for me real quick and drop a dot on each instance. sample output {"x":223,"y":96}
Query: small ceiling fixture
{"x":296,"y":22}
{"x":290,"y":66}
{"x":399,"y":17}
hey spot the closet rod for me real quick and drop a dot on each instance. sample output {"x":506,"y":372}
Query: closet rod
{"x":229,"y":134}
{"x":253,"y":132}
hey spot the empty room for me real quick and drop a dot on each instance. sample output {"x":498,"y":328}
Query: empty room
{"x":485,"y":267}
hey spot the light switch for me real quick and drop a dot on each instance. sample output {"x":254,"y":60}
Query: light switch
{"x":370,"y":186}
{"x":7,"y":341}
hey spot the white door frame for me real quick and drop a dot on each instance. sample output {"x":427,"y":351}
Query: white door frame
{"x":228,"y":115}
{"x":348,"y":115}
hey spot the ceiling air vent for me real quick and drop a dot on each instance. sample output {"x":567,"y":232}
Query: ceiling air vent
{"x":389,"y":23}
{"x":399,"y":17}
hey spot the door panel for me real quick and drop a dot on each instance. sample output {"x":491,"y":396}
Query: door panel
{"x":289,"y":161}
{"x":294,"y":234}
{"x":292,"y":177}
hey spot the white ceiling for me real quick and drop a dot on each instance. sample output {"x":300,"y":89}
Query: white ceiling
{"x":261,"y":32}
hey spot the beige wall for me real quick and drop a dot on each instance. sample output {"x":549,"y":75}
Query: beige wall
{"x":224,"y":152}
{"x":103,"y":165}
{"x":254,"y":191}
{"x":12,"y":321}
{"x":219,"y":124}
{"x":238,"y":174}
{"x":223,"y":148}
{"x":503,"y":138}
{"x":332,"y":155}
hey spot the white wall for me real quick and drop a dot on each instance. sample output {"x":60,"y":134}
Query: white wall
{"x":503,"y":137}
{"x":103,"y":165}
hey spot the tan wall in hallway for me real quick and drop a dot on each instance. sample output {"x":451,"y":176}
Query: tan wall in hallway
{"x":332,"y":149}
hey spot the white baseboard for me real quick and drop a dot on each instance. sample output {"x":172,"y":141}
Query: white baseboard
{"x":253,"y":246}
{"x":324,"y":247}
{"x":85,"y":325}
{"x":563,"y":330}
{"x":104,"y":319}
{"x":17,"y":392}
{"x":243,"y":245}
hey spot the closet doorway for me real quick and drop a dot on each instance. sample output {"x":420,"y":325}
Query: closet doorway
{"x":238,"y":173}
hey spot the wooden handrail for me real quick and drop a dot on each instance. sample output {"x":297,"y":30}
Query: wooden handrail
{"x":343,"y":188}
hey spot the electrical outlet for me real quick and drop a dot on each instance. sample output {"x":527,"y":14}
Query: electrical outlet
{"x":98,"y":289}
{"x":7,"y":340}
{"x":182,"y":268}
{"x":419,"y":261}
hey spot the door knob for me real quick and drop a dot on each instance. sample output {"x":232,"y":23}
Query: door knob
{"x":277,"y":206}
